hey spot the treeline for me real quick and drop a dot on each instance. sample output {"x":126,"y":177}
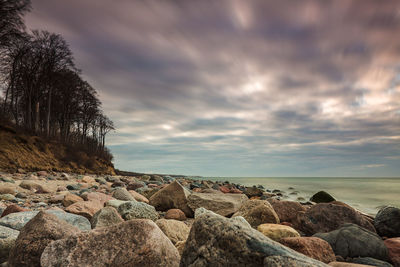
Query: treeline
{"x":43,"y":90}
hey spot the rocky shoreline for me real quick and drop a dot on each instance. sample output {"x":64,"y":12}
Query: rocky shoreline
{"x":59,"y":219}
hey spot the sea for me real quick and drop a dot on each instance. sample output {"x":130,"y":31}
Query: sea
{"x":365,"y":194}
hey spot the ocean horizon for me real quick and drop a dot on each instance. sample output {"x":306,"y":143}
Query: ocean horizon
{"x":367,"y":194}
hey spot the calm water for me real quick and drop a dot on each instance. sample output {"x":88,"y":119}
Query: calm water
{"x":365,"y":194}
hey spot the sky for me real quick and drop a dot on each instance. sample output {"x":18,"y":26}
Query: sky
{"x":241,"y":88}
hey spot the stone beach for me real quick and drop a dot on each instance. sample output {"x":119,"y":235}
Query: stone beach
{"x":64,"y":219}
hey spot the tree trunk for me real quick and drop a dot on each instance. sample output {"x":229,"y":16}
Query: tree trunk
{"x":48,"y":113}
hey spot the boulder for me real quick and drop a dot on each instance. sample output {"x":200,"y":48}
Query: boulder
{"x":346,"y":264}
{"x":105,"y":217}
{"x":115,"y":203}
{"x":286,"y":261}
{"x":371,"y":262}
{"x":43,"y":229}
{"x":137,"y":210}
{"x":253,"y":192}
{"x":257,"y":212}
{"x":101,"y":197}
{"x":325,"y":217}
{"x":352,"y":241}
{"x":7,"y":189}
{"x":85,"y":208}
{"x":173,"y":196}
{"x":34,"y":186}
{"x":175,"y":230}
{"x":387,"y":222}
{"x":175,"y":214}
{"x":135,"y":185}
{"x":13,"y":208}
{"x":276,"y":231}
{"x":138,"y":197}
{"x":180,"y":246}
{"x":218,"y":241}
{"x":222,"y":204}
{"x":70,"y":199}
{"x":312,"y":247}
{"x":322,"y":197}
{"x":286,"y":210}
{"x":18,"y":220}
{"x":393,"y":246}
{"x":7,"y":241}
{"x":131,"y":243}
{"x":122,"y":194}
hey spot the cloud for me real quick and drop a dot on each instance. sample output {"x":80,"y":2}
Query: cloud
{"x":241,"y":88}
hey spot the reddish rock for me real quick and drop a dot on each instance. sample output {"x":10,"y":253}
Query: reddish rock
{"x":70,"y":199}
{"x":235,"y":191}
{"x":326,"y":217}
{"x":224,"y":189}
{"x":255,"y":198}
{"x":61,"y":188}
{"x":12,"y":209}
{"x":33,"y":238}
{"x":312,"y":247}
{"x":138,"y":197}
{"x":101,"y":197}
{"x":132,"y":243}
{"x":85,"y":208}
{"x":197,"y":189}
{"x":393,"y":246}
{"x":287,"y":210}
{"x":175,"y":214}
{"x":173,"y":196}
{"x":42,"y":173}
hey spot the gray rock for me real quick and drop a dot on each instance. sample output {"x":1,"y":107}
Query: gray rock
{"x":222,"y":204}
{"x":8,"y":197}
{"x":7,"y":241}
{"x":352,"y":241}
{"x":115,"y":203}
{"x":19,"y":219}
{"x":137,"y":210}
{"x":285,"y":261}
{"x":371,"y":261}
{"x":122,"y":194}
{"x":387,"y":222}
{"x":218,"y":241}
{"x":131,"y":243}
{"x":105,"y":217}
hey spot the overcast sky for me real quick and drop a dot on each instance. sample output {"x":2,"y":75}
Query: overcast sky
{"x":241,"y":88}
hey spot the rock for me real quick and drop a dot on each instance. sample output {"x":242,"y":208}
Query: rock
{"x":122,"y":194}
{"x":393,"y":246}
{"x":387,"y":222}
{"x":105,"y":217}
{"x":173,"y":196}
{"x":6,"y":189}
{"x":88,"y":180}
{"x":74,"y":187}
{"x":346,"y":264}
{"x":322,"y":197}
{"x":135,"y":185}
{"x":180,"y":246}
{"x":286,"y":210}
{"x":34,"y":186}
{"x":70,"y":199}
{"x":352,"y":241}
{"x":253,"y":192}
{"x":115,"y":203}
{"x":222,"y":204}
{"x":137,"y":210}
{"x":371,"y":262}
{"x":218,"y":241}
{"x":35,"y":236}
{"x":276,"y":231}
{"x":132,"y":243}
{"x":156,"y":178}
{"x":138,"y":197}
{"x":7,"y":241}
{"x":7,"y":197}
{"x":175,"y":230}
{"x":285,"y":261}
{"x":312,"y":247}
{"x":100,"y":180}
{"x":102,"y":198}
{"x":325,"y":217}
{"x":85,"y":208}
{"x":224,"y":189}
{"x":257,"y":212}
{"x":18,"y":220}
{"x":12,"y":209}
{"x":175,"y":214}
{"x":41,"y":173}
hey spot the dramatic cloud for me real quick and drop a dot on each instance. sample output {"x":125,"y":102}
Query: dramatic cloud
{"x":255,"y":88}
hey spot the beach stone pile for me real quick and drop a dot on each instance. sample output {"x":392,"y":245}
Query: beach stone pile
{"x":59,"y":219}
